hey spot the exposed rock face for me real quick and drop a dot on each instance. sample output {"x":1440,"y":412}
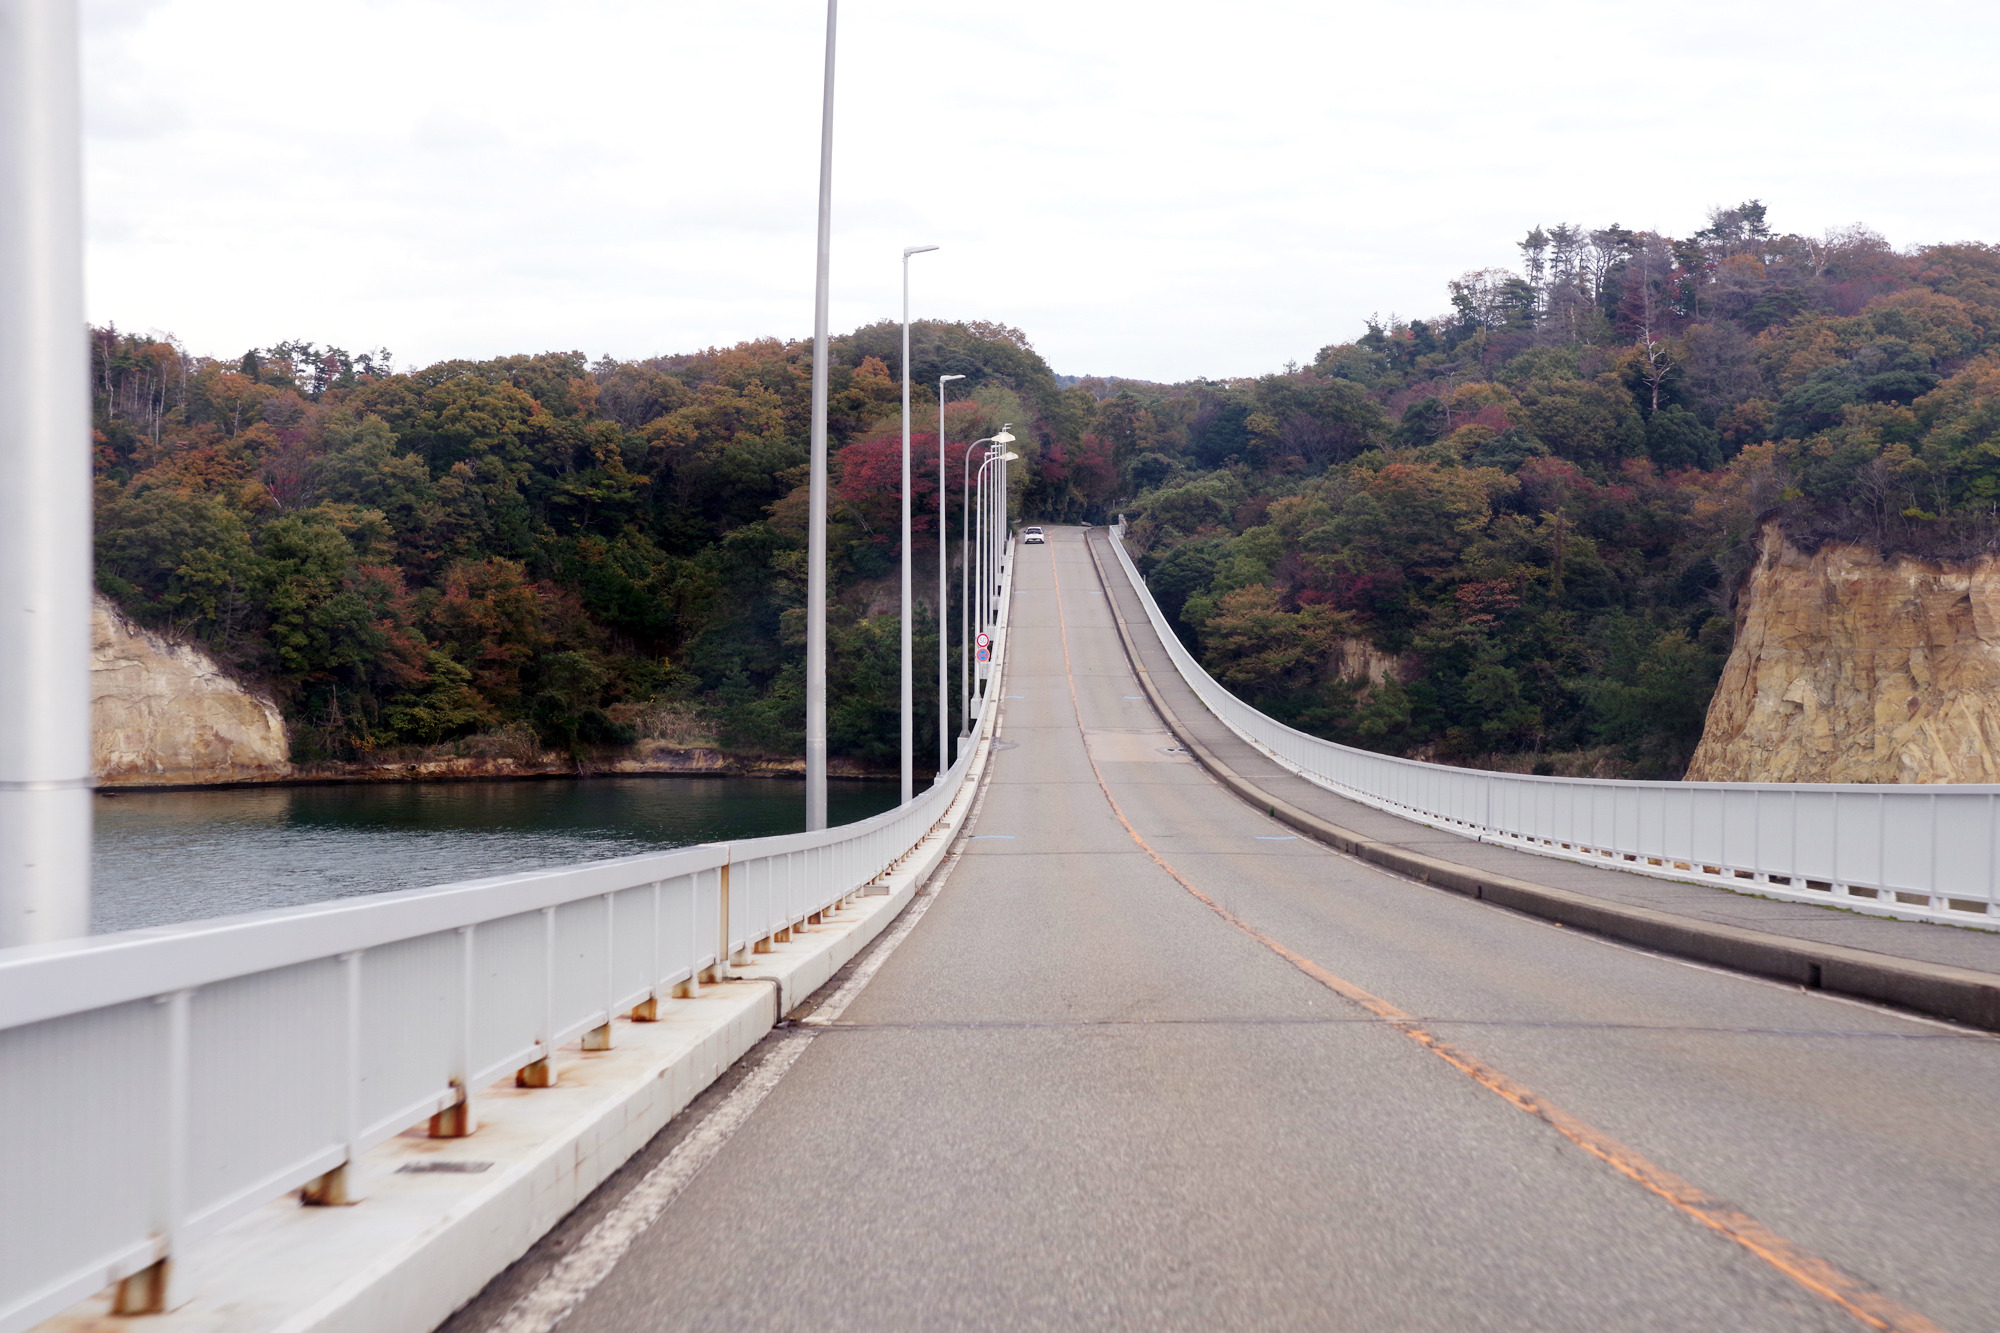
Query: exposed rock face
{"x":1854,"y":667}
{"x":1360,"y":660}
{"x":164,"y":712}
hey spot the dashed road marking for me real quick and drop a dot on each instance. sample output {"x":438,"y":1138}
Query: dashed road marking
{"x":1794,"y":1261}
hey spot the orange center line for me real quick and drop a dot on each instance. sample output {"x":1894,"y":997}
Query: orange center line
{"x":1803,"y":1267}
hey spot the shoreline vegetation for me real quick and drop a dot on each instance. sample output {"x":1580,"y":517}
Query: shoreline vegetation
{"x":670,"y":742}
{"x":389,"y":774}
{"x":537,"y":554}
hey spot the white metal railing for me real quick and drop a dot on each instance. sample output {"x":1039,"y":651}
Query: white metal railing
{"x":156,"y":1084}
{"x":1927,"y":852}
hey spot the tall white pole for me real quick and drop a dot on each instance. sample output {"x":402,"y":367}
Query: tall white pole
{"x":906,"y":751}
{"x":979,"y":549}
{"x":996,"y":534}
{"x":965,"y":592}
{"x":1000,"y":531}
{"x":905,"y":670}
{"x":45,"y":573}
{"x":943,"y":603}
{"x":816,"y":495}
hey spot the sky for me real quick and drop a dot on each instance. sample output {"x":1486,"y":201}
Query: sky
{"x":1158,"y":190}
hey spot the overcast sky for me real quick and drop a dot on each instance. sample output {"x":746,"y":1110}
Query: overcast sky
{"x":1162,"y":190}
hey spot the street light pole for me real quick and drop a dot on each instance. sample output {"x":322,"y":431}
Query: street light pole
{"x":45,"y":759}
{"x":979,"y":543}
{"x":907,"y":692}
{"x":943,"y":602}
{"x":816,"y":493}
{"x":988,"y":554}
{"x":966,"y":560}
{"x":965,"y":593}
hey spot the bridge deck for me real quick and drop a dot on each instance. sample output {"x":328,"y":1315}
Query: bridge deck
{"x":1150,"y":1061}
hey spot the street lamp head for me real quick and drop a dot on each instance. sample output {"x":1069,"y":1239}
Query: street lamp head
{"x":909,"y":250}
{"x":1008,"y":458}
{"x":943,"y":378}
{"x":1003,"y":437}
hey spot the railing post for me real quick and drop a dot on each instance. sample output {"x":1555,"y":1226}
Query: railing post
{"x":1833,"y":852}
{"x":1992,"y":852}
{"x":542,"y":1073}
{"x":156,"y":1288}
{"x":599,"y":1038}
{"x":1936,"y":889}
{"x":692,"y":986}
{"x":457,"y":1120}
{"x":723,"y":960}
{"x":1881,"y":844}
{"x":648,"y":1009}
{"x":342,"y":1185}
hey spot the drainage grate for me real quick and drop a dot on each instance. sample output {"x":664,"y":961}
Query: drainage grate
{"x":443,"y":1168}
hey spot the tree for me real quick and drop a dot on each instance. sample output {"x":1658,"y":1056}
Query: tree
{"x":1593,"y":424}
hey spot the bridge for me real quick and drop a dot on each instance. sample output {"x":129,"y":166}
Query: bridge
{"x":1151,"y":1013}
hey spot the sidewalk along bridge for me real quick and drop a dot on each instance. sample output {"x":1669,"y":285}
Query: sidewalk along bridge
{"x":1140,"y":1053}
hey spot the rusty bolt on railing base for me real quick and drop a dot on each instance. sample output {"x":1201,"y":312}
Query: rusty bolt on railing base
{"x":332,"y":1190}
{"x":455,"y":1121}
{"x":144,"y":1292}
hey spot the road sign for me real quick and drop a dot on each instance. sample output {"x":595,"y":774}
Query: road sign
{"x":984,"y":641}
{"x":984,"y":654}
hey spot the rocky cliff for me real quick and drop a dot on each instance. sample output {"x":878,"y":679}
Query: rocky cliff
{"x":1361,"y":661}
{"x":164,"y":712}
{"x":1850,"y":666}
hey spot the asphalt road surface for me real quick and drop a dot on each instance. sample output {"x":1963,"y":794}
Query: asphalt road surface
{"x":1148,"y":1061}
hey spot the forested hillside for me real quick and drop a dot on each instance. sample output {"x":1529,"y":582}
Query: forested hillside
{"x":537,"y":549}
{"x":1509,"y":535}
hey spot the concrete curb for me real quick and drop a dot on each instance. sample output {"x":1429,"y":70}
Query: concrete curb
{"x":1960,"y":995}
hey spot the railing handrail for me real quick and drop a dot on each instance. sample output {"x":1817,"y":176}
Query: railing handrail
{"x":395,"y":1007}
{"x":41,"y":981}
{"x":1929,"y":851}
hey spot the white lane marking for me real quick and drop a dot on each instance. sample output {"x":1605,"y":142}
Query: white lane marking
{"x":564,"y":1287}
{"x":1713,"y":969}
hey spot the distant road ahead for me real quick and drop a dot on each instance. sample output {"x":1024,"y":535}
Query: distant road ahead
{"x":1151,"y":1062}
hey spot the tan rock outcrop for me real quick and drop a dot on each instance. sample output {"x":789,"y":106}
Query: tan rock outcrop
{"x":164,"y":712}
{"x":1359,"y":660}
{"x":1850,"y":666}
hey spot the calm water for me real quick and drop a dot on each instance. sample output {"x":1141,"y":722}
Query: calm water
{"x":181,"y":856}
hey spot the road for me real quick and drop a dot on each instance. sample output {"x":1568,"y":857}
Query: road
{"x":1150,"y":1062}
